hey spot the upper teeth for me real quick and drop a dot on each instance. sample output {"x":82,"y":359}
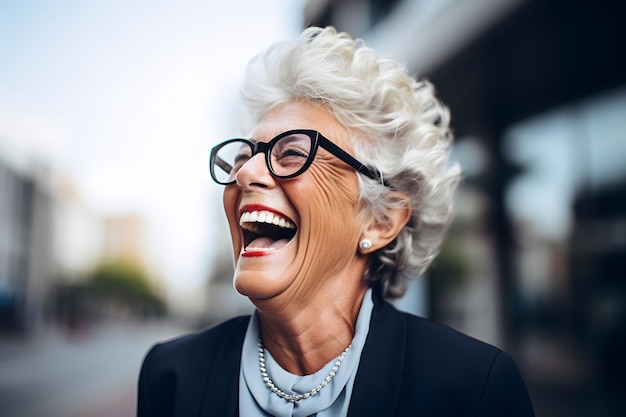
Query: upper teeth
{"x":263,"y":216}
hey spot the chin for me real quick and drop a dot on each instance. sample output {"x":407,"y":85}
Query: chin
{"x":259,"y":285}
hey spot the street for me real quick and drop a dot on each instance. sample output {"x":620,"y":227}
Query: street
{"x":90,"y":374}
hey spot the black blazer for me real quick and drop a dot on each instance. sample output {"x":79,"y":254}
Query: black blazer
{"x":410,"y":366}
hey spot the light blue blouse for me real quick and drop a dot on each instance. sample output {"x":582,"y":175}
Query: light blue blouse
{"x":256,"y":400}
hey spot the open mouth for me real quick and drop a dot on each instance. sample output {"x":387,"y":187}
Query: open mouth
{"x":264,"y":230}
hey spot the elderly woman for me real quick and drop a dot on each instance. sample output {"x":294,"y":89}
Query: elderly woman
{"x":341,"y":193}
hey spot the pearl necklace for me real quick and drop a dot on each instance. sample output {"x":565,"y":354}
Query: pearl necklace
{"x":294,"y":398}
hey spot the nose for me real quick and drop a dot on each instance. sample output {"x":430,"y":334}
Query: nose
{"x":255,"y":173}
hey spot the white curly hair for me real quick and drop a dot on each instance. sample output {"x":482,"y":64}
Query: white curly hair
{"x":399,"y":128}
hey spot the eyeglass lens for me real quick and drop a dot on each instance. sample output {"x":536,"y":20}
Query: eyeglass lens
{"x":287,"y":156}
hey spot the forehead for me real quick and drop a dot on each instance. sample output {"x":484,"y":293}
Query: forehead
{"x":300,"y":115}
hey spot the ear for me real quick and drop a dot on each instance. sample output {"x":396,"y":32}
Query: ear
{"x":382,"y":233}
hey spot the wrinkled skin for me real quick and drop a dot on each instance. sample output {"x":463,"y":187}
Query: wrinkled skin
{"x":323,"y":255}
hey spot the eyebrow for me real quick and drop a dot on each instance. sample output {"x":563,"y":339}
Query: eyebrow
{"x":271,"y":137}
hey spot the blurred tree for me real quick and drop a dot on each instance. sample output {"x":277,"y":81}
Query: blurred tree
{"x":126,"y":283}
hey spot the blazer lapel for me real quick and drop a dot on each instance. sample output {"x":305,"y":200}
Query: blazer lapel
{"x":221,"y":397}
{"x":378,"y":379}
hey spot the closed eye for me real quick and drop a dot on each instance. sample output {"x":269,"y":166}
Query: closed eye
{"x":240,"y":159}
{"x":291,"y":152}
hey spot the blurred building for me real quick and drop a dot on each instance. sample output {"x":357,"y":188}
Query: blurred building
{"x":51,"y":242}
{"x":124,"y":239}
{"x":535,"y":261}
{"x":79,"y":233}
{"x":25,"y":243}
{"x":598,"y":281}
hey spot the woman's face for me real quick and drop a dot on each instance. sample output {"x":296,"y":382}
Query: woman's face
{"x":317,"y":246}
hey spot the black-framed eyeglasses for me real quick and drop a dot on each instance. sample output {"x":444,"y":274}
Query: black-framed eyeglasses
{"x":287,"y":155}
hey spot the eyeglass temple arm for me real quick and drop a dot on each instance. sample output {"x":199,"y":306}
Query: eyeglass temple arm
{"x":350,"y":160}
{"x":223,"y":164}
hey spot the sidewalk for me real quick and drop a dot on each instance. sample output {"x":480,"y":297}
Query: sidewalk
{"x":90,"y":374}
{"x":121,"y":402}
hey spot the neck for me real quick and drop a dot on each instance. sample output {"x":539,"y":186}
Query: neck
{"x":303,"y":338}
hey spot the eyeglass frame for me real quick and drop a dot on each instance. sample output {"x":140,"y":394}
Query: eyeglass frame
{"x":317,"y":140}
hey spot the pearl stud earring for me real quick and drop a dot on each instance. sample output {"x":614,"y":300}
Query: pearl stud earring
{"x":365,"y":244}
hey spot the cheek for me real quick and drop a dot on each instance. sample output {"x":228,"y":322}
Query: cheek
{"x":336,"y":193}
{"x":329,"y":211}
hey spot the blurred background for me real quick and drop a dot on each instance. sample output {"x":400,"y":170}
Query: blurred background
{"x":111,"y":231}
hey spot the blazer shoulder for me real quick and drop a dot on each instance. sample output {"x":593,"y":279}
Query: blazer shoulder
{"x":174,"y":374}
{"x":445,"y":339}
{"x":185,"y":352}
{"x":186,"y":347}
{"x":484,"y":379}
